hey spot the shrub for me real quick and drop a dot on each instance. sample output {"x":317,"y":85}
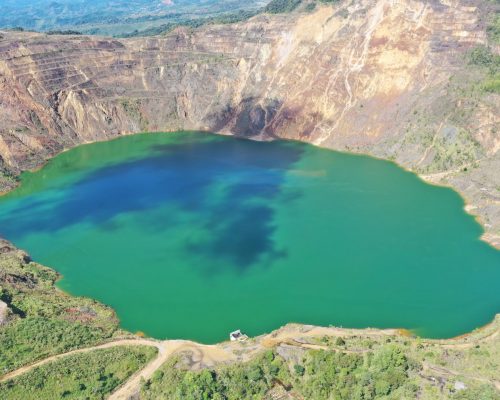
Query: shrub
{"x":299,"y":369}
{"x":281,"y":6}
{"x":89,"y":375}
{"x":493,"y":29}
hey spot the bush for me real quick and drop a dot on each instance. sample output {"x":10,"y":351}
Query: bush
{"x":482,"y":56}
{"x":66,"y":32}
{"x":299,"y":369}
{"x":492,"y":84}
{"x":310,"y":7}
{"x":483,"y":392}
{"x":242,"y":381}
{"x":281,"y":6}
{"x":340,"y":375}
{"x":493,"y":29}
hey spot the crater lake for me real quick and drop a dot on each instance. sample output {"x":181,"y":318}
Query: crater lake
{"x":193,"y":235}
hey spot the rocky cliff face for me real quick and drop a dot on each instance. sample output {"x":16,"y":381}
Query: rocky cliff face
{"x":383,"y":77}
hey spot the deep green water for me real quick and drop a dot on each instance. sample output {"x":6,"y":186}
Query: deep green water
{"x":193,"y":235}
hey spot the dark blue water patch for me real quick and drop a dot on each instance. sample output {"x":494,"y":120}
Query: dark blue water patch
{"x":228,"y":230}
{"x":240,"y":235}
{"x":239,"y":220}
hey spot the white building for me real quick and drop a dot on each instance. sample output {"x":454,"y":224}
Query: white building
{"x":237,"y":336}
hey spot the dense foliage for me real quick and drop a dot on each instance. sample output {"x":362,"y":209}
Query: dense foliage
{"x":236,"y":382}
{"x":373,"y":375}
{"x":42,"y":320}
{"x":321,"y":375}
{"x":66,"y":32}
{"x":229,"y":18}
{"x":282,"y":6}
{"x":90,"y":375}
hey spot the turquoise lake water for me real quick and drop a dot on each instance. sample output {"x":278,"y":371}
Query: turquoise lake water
{"x":190,"y":235}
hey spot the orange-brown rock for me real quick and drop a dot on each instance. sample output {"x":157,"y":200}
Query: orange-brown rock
{"x":385,"y":77}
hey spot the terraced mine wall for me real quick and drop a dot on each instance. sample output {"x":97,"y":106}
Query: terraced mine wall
{"x":386,"y":78}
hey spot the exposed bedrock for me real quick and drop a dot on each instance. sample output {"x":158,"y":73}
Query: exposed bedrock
{"x":387,"y":78}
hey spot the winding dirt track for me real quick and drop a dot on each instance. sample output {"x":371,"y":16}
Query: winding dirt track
{"x":208,"y":354}
{"x":231,"y":351}
{"x":165,"y":350}
{"x":122,"y":342}
{"x":448,"y":372}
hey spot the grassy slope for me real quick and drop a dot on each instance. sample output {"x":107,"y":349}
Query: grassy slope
{"x":43,"y":320}
{"x":90,"y":375}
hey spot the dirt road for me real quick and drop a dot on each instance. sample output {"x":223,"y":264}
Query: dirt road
{"x":293,"y":334}
{"x":122,"y":342}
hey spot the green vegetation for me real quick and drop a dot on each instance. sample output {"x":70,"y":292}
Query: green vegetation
{"x":43,"y":320}
{"x":274,"y":7}
{"x":163,"y":29}
{"x":321,"y":375}
{"x":372,"y":375}
{"x":236,"y":382}
{"x":7,"y":178}
{"x":462,"y":106}
{"x":483,"y":392}
{"x":66,"y":32}
{"x":310,"y":7}
{"x":493,"y":29}
{"x":30,"y":338}
{"x":151,"y":25}
{"x":282,"y":6}
{"x":483,"y":57}
{"x":90,"y":375}
{"x":432,"y":369}
{"x":124,"y":16}
{"x":492,"y":84}
{"x":459,"y":149}
{"x":132,"y":108}
{"x":285,"y":6}
{"x":355,"y":367}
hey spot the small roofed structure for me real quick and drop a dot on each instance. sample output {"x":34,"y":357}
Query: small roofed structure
{"x":237,"y":336}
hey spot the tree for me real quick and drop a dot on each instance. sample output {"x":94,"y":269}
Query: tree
{"x":299,"y":369}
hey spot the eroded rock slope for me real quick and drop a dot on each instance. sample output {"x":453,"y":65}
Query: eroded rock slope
{"x":386,"y":77}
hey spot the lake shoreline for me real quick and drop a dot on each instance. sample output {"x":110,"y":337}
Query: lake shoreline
{"x":481,"y":332}
{"x":267,"y":139}
{"x":432,"y":179}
